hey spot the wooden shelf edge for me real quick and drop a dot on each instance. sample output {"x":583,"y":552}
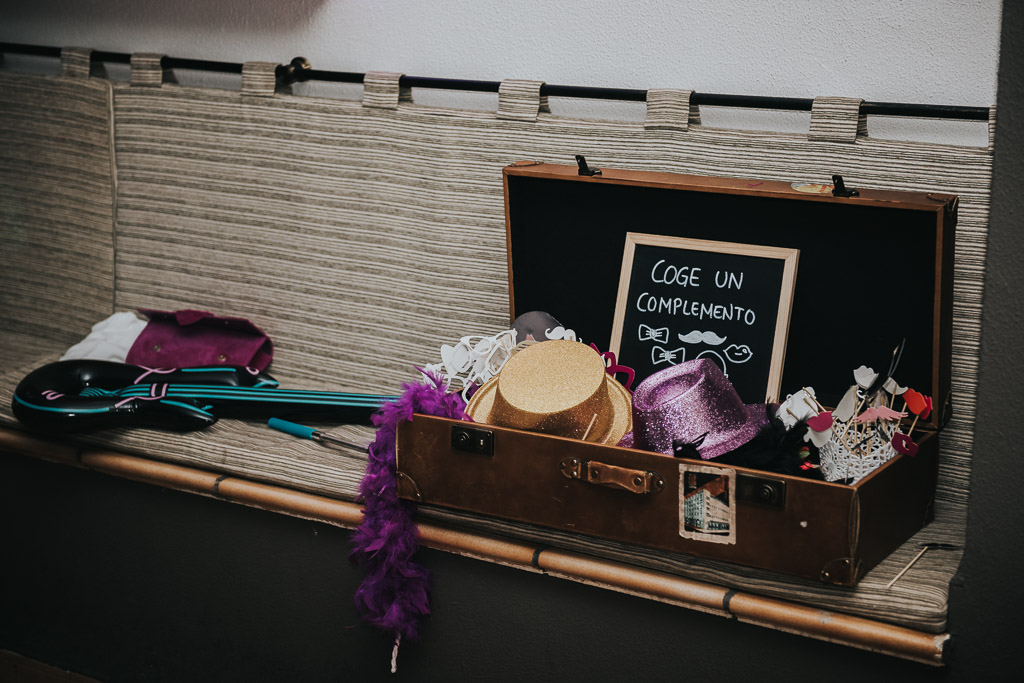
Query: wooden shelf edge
{"x":834,"y":627}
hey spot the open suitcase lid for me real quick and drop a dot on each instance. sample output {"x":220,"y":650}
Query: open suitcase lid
{"x":873,"y":268}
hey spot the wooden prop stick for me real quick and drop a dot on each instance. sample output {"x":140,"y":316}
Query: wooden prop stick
{"x":907,"y":568}
{"x":856,"y":412}
{"x":808,"y":398}
{"x":912,"y":425}
{"x":924,"y":548}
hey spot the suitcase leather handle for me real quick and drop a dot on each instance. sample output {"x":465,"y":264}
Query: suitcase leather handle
{"x":603,"y":474}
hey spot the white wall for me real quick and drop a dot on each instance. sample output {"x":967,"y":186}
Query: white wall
{"x":935,"y":51}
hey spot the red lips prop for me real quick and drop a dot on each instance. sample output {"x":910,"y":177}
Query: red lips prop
{"x":820,"y":422}
{"x":916,"y":402}
{"x":904,"y":444}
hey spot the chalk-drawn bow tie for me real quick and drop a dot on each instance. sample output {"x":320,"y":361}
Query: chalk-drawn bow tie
{"x":648,"y":333}
{"x":662,"y":355}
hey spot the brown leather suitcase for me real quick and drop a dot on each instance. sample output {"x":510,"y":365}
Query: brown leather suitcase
{"x":874,"y":267}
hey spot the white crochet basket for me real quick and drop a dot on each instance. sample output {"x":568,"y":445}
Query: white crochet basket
{"x":839,"y":463}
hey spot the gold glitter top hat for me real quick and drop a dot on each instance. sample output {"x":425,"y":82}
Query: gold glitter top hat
{"x":556,"y":387}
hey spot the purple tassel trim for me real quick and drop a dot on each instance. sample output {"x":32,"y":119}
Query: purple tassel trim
{"x":394,"y":593}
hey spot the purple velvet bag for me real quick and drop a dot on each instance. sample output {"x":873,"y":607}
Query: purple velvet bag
{"x":183,"y":339}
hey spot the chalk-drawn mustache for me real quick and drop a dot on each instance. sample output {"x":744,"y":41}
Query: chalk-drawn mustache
{"x":696,"y":337}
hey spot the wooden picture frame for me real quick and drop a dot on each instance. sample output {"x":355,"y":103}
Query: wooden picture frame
{"x":788,"y":256}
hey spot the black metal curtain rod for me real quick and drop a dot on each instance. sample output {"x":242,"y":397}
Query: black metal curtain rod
{"x":299,"y":70}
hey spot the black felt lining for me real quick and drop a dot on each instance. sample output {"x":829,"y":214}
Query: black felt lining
{"x":865,"y":278}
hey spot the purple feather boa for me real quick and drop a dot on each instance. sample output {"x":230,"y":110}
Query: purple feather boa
{"x":394,"y":593}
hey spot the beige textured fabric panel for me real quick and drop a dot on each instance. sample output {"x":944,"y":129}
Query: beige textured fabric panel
{"x":991,"y":127}
{"x":361,"y":239}
{"x":76,"y":62}
{"x":259,"y":79}
{"x":148,"y":70}
{"x":520,"y":100}
{"x":837,"y":119}
{"x":382,"y":90}
{"x":20,"y":353}
{"x":670,"y":110}
{"x":348,"y":239}
{"x":56,"y":206}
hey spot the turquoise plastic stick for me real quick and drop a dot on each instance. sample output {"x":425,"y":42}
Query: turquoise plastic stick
{"x":293,"y":428}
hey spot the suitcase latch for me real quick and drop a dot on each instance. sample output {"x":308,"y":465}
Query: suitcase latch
{"x":763,"y":490}
{"x":839,"y":188}
{"x":473,"y":440}
{"x":584,"y":169}
{"x":603,"y":474}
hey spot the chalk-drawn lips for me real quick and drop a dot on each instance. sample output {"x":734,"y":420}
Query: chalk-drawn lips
{"x":903,"y":444}
{"x":738,"y":353}
{"x":820,"y":422}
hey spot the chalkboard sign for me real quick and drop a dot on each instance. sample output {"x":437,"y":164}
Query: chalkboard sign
{"x":681,"y":299}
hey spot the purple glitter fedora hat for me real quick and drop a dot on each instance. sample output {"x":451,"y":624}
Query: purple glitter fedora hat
{"x":687,"y":402}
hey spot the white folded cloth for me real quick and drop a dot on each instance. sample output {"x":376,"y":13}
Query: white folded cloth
{"x":110,"y":339}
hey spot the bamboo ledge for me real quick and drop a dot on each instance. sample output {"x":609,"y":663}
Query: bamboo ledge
{"x":811,"y":622}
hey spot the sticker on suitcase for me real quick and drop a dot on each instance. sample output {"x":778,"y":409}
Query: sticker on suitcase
{"x":707,"y":503}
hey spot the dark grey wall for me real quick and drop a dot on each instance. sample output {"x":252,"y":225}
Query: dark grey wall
{"x":124,"y":582}
{"x":988,"y":595}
